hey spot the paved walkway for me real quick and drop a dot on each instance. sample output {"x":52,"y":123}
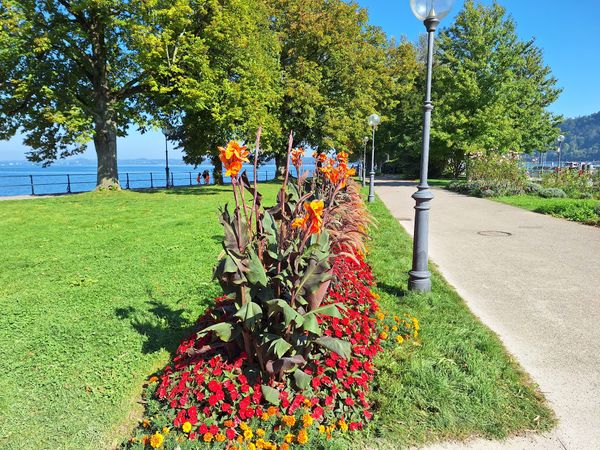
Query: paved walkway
{"x":537,"y":288}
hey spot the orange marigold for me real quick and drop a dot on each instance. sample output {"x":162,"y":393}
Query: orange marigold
{"x":208,"y":437}
{"x":232,"y":157}
{"x":302,"y":437}
{"x":290,"y":421}
{"x":156,"y":440}
{"x":271,"y":410}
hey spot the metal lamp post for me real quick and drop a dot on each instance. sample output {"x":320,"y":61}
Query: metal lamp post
{"x":373,"y":120}
{"x":560,"y":141}
{"x":167,"y":132}
{"x":364,"y":164}
{"x":430,"y":12}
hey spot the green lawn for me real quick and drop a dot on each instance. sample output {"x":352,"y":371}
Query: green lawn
{"x":577,"y":210}
{"x":97,"y":289}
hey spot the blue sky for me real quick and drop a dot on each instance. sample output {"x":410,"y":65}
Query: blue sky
{"x":566,"y":31}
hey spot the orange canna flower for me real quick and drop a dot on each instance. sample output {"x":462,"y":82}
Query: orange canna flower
{"x":342,"y":157}
{"x":296,"y":156}
{"x":320,"y":157}
{"x":314,"y":215}
{"x":232,"y":157}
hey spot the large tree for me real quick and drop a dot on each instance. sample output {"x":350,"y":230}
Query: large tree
{"x":333,"y":71}
{"x":78,"y":71}
{"x":492,"y":89}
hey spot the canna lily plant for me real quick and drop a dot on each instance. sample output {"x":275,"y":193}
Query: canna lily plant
{"x":275,"y":269}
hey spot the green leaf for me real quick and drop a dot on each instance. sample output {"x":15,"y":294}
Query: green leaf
{"x":302,"y":379}
{"x":222,"y":330}
{"x":250,"y":312}
{"x":289,"y":313}
{"x":311,"y":324}
{"x":331,"y":310}
{"x":279,"y":347}
{"x":230,"y":266}
{"x":256,"y":272}
{"x":342,"y":348}
{"x":270,"y":394}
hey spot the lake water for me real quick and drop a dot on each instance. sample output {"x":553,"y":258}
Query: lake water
{"x":18,"y":179}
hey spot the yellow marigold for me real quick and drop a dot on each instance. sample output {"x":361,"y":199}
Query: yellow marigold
{"x":383,"y":335}
{"x":166,"y":430}
{"x":380,"y":315}
{"x":343,"y":425}
{"x":208,"y":437}
{"x":397,"y":319}
{"x":386,"y":327}
{"x":260,"y":432}
{"x":415,"y":322}
{"x":307,"y":420}
{"x":399,"y":339}
{"x":187,"y":427}
{"x":302,"y":437}
{"x":248,"y":434}
{"x":219,"y":437}
{"x":156,"y":440}
{"x":251,"y":446}
{"x":394,"y":328}
{"x":264,"y":416}
{"x":260,"y":443}
{"x":240,"y":439}
{"x":375,"y":295}
{"x":321,"y":428}
{"x":290,"y":421}
{"x":288,"y":438}
{"x":244,"y":426}
{"x":307,"y":402}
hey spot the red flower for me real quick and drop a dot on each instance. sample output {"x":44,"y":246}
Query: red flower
{"x":214,"y":386}
{"x":349,"y":401}
{"x":226,"y":408}
{"x":230,"y":434}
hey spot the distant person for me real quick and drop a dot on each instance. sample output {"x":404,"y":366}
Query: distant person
{"x":206,"y":176}
{"x":198,"y":178}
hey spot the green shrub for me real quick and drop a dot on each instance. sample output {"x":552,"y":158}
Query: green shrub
{"x":532,"y":188}
{"x":552,"y":193}
{"x":576,"y":184}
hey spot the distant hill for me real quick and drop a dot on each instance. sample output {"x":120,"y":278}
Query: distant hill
{"x":582,"y":141}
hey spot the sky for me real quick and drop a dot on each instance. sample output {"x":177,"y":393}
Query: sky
{"x":571,"y":45}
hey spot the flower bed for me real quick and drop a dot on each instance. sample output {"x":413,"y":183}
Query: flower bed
{"x":204,"y":399}
{"x":285,"y":357}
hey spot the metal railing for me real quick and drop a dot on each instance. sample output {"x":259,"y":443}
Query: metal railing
{"x":39,"y":184}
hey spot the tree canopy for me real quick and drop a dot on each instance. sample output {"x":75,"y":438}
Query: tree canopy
{"x":582,"y":138}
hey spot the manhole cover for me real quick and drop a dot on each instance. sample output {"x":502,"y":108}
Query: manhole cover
{"x":494,"y":233}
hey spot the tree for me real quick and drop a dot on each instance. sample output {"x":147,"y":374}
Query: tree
{"x":492,"y":89}
{"x":84,"y":71}
{"x":334,"y":73}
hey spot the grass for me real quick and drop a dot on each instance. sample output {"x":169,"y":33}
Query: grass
{"x":460,"y":382}
{"x":578,"y":210}
{"x":97,"y":290}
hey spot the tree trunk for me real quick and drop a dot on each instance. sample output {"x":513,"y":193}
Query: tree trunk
{"x":105,"y":141}
{"x":280,"y":165}
{"x":217,"y":169}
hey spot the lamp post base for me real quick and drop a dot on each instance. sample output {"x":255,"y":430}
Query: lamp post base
{"x":372,"y":188}
{"x":419,"y":281}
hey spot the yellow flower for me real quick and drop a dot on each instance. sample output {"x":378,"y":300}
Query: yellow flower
{"x":145,"y":423}
{"x":290,"y":421}
{"x":251,"y":446}
{"x":394,"y":328}
{"x":260,"y":443}
{"x":156,"y":440}
{"x":220,"y":437}
{"x":302,"y":437}
{"x":375,"y":295}
{"x":187,"y":427}
{"x":248,"y":434}
{"x":288,"y":438}
{"x":343,"y":425}
{"x":416,"y":323}
{"x":307,"y":402}
{"x":208,"y":437}
{"x":386,"y":328}
{"x":397,"y":319}
{"x":321,"y":428}
{"x":380,"y":316}
{"x":399,"y":339}
{"x":166,"y":430}
{"x":383,"y":335}
{"x":260,"y":432}
{"x":284,"y":446}
{"x":307,"y":420}
{"x":264,"y":416}
{"x":244,"y":426}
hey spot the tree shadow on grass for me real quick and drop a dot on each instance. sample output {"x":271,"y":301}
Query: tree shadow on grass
{"x":194,"y":190}
{"x":163,"y":325}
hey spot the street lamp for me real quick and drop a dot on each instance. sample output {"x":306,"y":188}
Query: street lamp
{"x":430,"y":12}
{"x":373,"y":120}
{"x":560,"y":141}
{"x":167,"y":131}
{"x":364,"y":164}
